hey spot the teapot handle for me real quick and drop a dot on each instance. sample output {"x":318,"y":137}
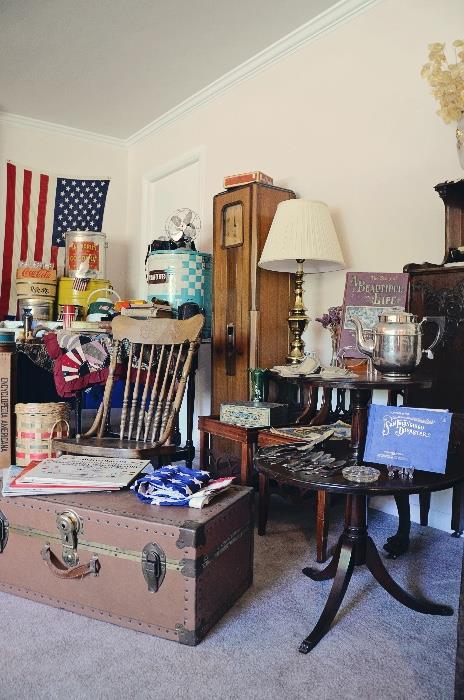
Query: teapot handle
{"x":440,"y":321}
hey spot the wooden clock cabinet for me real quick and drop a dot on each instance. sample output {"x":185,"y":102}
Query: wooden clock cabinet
{"x":250,"y":305}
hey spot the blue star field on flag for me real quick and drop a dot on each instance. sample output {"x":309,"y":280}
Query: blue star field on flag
{"x":79,"y":206}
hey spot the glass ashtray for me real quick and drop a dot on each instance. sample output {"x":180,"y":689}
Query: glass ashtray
{"x":360,"y":474}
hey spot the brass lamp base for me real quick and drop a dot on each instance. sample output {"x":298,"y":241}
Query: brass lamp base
{"x":296,"y":324}
{"x":297,"y":320}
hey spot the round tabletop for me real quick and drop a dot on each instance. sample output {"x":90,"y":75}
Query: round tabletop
{"x":363,"y":380}
{"x":384,"y":486}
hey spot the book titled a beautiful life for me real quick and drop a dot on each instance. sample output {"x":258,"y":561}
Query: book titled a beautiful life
{"x":408,"y":437}
{"x":367,"y":295}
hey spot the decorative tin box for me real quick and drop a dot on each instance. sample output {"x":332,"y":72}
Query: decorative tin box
{"x":251,"y":414}
{"x":178,"y":276}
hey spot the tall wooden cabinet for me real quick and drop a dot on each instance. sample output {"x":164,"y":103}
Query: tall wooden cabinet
{"x":439,"y":291}
{"x":250,"y":305}
{"x":435,"y":290}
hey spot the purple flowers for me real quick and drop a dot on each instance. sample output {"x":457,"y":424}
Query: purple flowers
{"x":332,"y":317}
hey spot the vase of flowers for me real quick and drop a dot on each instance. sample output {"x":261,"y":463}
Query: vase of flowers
{"x":447,"y":83}
{"x":332,"y":321}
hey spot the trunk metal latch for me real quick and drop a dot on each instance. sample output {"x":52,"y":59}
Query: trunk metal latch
{"x":153,"y":566}
{"x":4,"y":527}
{"x":69,"y":525}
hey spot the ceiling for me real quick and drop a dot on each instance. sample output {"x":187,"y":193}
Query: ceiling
{"x":114,"y":66}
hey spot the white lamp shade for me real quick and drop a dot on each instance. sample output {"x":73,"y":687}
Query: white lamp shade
{"x":302,"y":230}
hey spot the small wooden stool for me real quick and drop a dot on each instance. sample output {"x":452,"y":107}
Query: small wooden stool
{"x":247,"y":437}
{"x":266,"y":437}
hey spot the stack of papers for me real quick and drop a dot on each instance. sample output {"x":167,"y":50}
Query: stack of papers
{"x":71,"y":474}
{"x":310,"y":433}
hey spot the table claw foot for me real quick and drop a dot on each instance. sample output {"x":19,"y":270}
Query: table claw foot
{"x":457,"y":533}
{"x":396,"y":545}
{"x":329,"y":571}
{"x":381,"y":575}
{"x":345,"y":566}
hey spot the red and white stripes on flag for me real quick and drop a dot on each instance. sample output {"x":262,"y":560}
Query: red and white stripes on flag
{"x":27,"y":227}
{"x":38,"y":210}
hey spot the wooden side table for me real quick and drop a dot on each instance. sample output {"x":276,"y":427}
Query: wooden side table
{"x":355,"y":547}
{"x":247,"y":437}
{"x":265,"y":438}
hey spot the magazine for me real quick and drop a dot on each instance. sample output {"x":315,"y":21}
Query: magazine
{"x":77,"y":470}
{"x":310,"y":433}
{"x":11,"y":487}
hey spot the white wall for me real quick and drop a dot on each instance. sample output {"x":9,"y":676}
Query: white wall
{"x":65,"y":154}
{"x":346,"y":119}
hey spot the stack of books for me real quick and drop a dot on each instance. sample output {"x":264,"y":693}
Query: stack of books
{"x":71,"y":474}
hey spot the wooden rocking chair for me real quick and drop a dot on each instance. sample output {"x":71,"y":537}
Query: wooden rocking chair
{"x":160,"y":353}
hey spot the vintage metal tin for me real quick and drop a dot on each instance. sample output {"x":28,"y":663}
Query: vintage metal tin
{"x":7,"y":338}
{"x":42,"y":308}
{"x":86,"y":252}
{"x":180,"y":276}
{"x":35,"y":282}
{"x":251,"y":414}
{"x":68,"y":295}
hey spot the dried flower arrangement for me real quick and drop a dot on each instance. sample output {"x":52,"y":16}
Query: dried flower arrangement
{"x":332,"y":318}
{"x":446,"y":80}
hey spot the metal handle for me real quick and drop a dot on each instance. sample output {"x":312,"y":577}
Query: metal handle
{"x":60,"y":571}
{"x":55,"y":424}
{"x":230,"y":349}
{"x":440,"y":321}
{"x":103,"y":289}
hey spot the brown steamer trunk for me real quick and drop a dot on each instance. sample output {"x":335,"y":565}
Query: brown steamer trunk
{"x":171,"y":572}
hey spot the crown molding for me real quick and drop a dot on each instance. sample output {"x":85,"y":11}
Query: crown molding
{"x":340,"y":13}
{"x":51,"y":128}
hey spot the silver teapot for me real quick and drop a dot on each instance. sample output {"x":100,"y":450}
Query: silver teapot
{"x":395,"y":342}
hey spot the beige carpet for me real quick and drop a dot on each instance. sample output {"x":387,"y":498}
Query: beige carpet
{"x":376,"y":648}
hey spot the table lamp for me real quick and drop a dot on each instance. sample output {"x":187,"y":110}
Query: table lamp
{"x":302,"y":238}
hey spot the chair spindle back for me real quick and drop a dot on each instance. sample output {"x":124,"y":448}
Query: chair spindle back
{"x":159,"y":359}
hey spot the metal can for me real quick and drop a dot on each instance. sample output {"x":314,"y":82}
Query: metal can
{"x":86,"y":254}
{"x":68,"y":295}
{"x":181,"y":276}
{"x":42,"y":309}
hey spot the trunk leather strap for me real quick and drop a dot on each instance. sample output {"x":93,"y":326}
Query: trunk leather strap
{"x":61,"y":571}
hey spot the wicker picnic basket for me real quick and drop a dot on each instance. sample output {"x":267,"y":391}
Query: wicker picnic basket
{"x":36,"y":425}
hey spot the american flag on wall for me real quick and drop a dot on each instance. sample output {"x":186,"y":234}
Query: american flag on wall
{"x":38,"y":210}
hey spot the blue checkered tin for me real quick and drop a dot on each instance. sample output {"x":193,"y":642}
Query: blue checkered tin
{"x":178,"y":276}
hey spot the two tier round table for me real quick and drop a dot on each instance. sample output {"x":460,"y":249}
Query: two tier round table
{"x":355,"y":547}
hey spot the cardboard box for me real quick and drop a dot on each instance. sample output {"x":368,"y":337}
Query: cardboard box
{"x":246,"y":178}
{"x":7,"y":401}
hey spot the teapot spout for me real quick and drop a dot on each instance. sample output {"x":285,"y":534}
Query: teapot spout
{"x":363,"y":344}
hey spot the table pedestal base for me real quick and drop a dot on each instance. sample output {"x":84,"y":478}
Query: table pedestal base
{"x":355,"y":548}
